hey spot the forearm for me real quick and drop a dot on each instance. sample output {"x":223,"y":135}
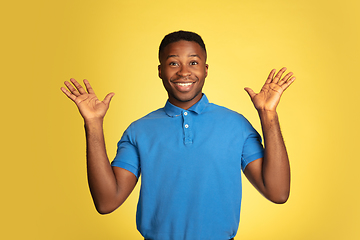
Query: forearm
{"x":275,"y":165}
{"x":101,"y":178}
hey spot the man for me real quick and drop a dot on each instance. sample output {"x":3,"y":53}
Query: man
{"x":190,"y":153}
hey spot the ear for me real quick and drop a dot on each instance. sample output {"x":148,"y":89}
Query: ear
{"x":159,"y":71}
{"x":206,"y":69}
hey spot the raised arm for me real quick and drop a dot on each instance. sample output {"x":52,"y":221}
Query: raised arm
{"x":271,"y":174}
{"x":109,"y":186}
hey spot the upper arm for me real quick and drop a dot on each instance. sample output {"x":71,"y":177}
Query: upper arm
{"x":126,"y":182}
{"x":253,"y":172}
{"x":277,"y":193}
{"x":126,"y":165}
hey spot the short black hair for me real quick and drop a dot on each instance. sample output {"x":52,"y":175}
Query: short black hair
{"x":181,"y":35}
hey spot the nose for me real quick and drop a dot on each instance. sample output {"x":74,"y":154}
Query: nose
{"x":184,"y":71}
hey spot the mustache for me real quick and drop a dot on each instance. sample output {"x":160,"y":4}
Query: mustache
{"x":193,"y":78}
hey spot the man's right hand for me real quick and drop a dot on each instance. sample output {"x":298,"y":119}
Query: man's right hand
{"x":109,"y":186}
{"x":90,"y":107}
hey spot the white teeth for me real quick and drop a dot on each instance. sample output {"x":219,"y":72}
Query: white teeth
{"x":184,"y":84}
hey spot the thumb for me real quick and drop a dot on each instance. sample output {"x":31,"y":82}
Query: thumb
{"x":250,"y":92}
{"x":108,"y":98}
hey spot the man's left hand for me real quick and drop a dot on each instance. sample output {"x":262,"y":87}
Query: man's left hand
{"x":269,"y":96}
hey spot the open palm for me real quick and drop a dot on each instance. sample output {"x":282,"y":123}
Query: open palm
{"x":269,"y":96}
{"x":89,"y":105}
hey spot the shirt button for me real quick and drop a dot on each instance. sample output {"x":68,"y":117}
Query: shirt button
{"x":186,"y":126}
{"x":185,"y":113}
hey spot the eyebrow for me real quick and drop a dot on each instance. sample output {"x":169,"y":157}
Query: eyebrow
{"x":191,"y":55}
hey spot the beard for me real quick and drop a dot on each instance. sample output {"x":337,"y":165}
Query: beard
{"x":186,"y":99}
{"x":193,"y":78}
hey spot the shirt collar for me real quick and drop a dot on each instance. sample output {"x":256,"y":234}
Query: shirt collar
{"x":174,"y":111}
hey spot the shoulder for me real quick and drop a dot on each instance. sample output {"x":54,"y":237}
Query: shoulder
{"x":159,"y":113}
{"x":143,"y":125}
{"x":224,"y":112}
{"x":228,"y":118}
{"x":150,"y":118}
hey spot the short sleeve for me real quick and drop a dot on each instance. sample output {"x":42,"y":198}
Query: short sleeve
{"x":127,"y":156}
{"x":252,"y":149}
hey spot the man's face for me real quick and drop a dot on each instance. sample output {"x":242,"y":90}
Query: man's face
{"x":183,"y":70}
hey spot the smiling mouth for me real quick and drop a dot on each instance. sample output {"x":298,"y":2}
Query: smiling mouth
{"x":184,"y":84}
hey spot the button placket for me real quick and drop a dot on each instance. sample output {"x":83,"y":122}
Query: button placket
{"x":187,"y":127}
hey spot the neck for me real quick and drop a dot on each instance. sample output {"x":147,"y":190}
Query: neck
{"x":185,"y":104}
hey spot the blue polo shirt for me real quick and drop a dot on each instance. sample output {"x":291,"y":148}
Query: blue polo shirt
{"x":190,"y":163}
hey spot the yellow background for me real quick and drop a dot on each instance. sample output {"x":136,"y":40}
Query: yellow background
{"x":114,"y":44}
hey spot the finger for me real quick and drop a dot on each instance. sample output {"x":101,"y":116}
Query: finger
{"x":88,"y":87}
{"x":284,"y":79}
{"x":68,"y":94}
{"x":78,"y":86}
{"x":278,"y":75}
{"x":288,"y":83}
{"x":72,"y":89}
{"x":108,"y":98}
{"x":271,"y":75}
{"x":250,"y":92}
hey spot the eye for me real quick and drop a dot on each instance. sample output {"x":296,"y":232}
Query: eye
{"x":194,"y":63}
{"x":173,"y":64}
